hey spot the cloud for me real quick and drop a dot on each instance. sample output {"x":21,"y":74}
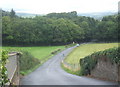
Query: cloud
{"x":47,"y":6}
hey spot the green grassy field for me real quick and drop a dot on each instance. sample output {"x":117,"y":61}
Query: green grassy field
{"x":37,"y":52}
{"x":43,"y":53}
{"x":87,"y":49}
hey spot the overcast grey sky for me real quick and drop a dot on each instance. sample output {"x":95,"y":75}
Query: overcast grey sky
{"x":48,"y":6}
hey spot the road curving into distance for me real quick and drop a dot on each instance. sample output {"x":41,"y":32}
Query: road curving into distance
{"x":51,"y":73}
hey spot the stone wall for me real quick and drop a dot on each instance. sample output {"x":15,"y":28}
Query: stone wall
{"x":13,"y":68}
{"x":105,"y":69}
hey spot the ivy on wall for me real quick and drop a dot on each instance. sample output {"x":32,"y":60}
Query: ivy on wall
{"x":89,"y":62}
{"x":3,"y":70}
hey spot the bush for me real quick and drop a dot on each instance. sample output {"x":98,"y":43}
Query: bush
{"x":27,"y":61}
{"x":70,"y":45}
{"x":56,"y":51}
{"x":89,"y":62}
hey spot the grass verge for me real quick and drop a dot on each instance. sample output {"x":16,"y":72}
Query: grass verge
{"x":69,"y":70}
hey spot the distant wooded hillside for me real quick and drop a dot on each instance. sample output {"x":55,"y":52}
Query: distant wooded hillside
{"x":57,"y":29}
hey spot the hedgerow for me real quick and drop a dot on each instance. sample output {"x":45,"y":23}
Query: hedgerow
{"x":89,"y":62}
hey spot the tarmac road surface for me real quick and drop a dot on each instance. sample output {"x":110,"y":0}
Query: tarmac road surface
{"x":51,"y":73}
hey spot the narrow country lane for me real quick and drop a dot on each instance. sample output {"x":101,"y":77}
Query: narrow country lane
{"x":51,"y":73}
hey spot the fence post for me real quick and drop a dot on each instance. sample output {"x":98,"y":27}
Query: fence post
{"x":119,"y":74}
{"x":18,"y":68}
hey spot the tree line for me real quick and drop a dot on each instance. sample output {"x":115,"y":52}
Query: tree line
{"x":57,"y":29}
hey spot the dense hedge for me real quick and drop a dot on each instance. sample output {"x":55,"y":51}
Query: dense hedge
{"x":89,"y":62}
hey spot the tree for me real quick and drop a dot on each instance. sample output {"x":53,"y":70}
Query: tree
{"x":12,"y":13}
{"x":58,"y":29}
{"x":7,"y":29}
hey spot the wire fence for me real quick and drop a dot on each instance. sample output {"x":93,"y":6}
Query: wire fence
{"x":73,"y":67}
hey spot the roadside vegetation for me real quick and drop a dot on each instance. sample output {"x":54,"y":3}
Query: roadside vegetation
{"x":82,"y":51}
{"x":32,"y":57}
{"x":70,"y":70}
{"x":3,"y":70}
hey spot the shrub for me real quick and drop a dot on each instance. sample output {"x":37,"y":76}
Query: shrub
{"x":27,"y":61}
{"x":56,"y":51}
